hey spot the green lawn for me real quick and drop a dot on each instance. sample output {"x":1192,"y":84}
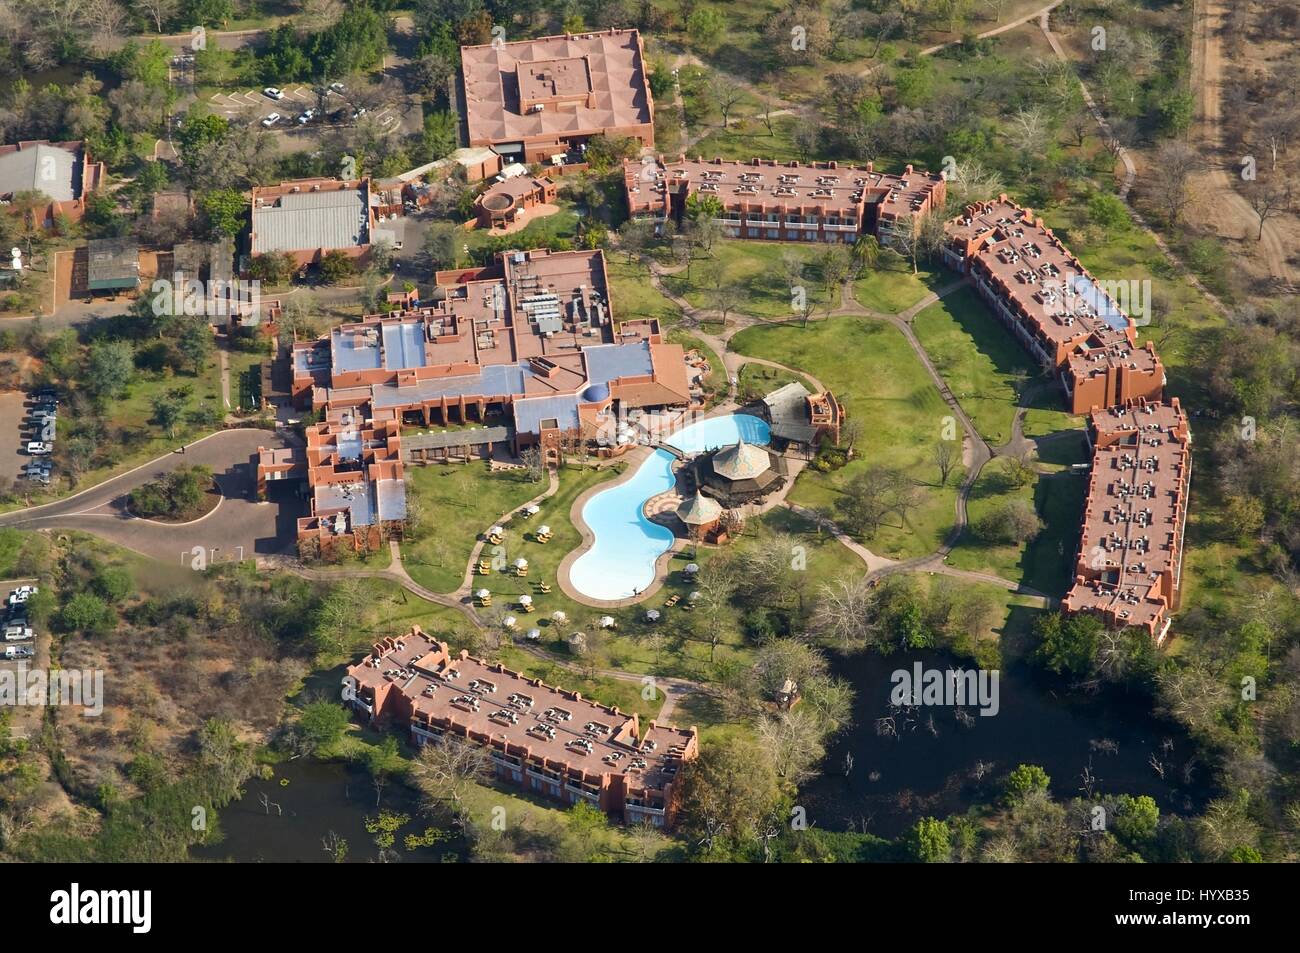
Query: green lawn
{"x":1044,"y":563}
{"x":632,"y":294}
{"x":873,"y":371}
{"x":757,"y":380}
{"x":979,"y":360}
{"x":891,"y":287}
{"x":756,"y":267}
{"x":458,"y":502}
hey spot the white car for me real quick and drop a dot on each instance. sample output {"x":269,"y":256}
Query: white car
{"x":337,"y":87}
{"x":39,"y":448}
{"x":19,"y":651}
{"x":22,"y":594}
{"x":306,"y":117}
{"x":271,"y":120}
{"x":274,"y":92}
{"x":359,"y":113}
{"x":18,"y":633}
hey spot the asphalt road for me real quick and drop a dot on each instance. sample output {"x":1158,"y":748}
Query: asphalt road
{"x":238,"y":526}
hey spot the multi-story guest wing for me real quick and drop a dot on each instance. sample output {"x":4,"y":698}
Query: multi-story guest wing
{"x":553,"y":742}
{"x":806,"y":202}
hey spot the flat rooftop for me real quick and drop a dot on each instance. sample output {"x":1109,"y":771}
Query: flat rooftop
{"x":764,"y":183}
{"x":513,"y":710}
{"x":585,"y":83}
{"x":1135,"y":511}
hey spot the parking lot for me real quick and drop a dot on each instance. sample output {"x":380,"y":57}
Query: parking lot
{"x":30,"y":427}
{"x":297,"y":99}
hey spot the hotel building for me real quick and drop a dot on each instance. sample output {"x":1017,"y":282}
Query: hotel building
{"x":1130,"y":563}
{"x":1056,"y":309}
{"x":533,"y":100}
{"x":803,"y":202}
{"x":552,"y":742}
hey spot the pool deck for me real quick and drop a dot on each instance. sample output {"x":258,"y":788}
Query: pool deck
{"x":635,"y":458}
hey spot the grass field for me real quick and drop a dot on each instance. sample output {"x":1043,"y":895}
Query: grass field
{"x":871,"y":368}
{"x":979,"y":360}
{"x":757,"y":268}
{"x":458,"y":502}
{"x":891,"y":287}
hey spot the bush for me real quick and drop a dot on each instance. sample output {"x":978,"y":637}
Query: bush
{"x":1013,"y":522}
{"x":87,"y":613}
{"x":178,"y":495}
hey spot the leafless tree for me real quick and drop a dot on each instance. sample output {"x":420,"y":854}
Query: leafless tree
{"x":844,"y":614}
{"x":1174,"y":165}
{"x":447,"y":770}
{"x":1268,"y":199}
{"x":725,"y":93}
{"x":945,"y":458}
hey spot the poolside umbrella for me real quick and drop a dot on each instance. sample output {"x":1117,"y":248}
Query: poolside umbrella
{"x":495,"y":531}
{"x":694,"y":596}
{"x":509,"y":621}
{"x":534,"y":635}
{"x":521,"y":563}
{"x":533,"y":509}
{"x":606,"y":621}
{"x":692,"y":568}
{"x":481,"y":593}
{"x":544,"y":530}
{"x":652,"y":615}
{"x":559,"y":616}
{"x":525,"y":600}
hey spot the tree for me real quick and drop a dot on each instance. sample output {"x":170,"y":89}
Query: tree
{"x":1013,"y":522}
{"x":945,"y":458}
{"x":1068,"y":644}
{"x":159,"y":11}
{"x":335,"y":266}
{"x":167,"y":411}
{"x":928,"y":841}
{"x":321,"y":725}
{"x":195,"y":343}
{"x":110,"y":366}
{"x":704,"y":28}
{"x":845,"y":614}
{"x":725,"y":92}
{"x":114,"y":583}
{"x":439,"y":134}
{"x":872,"y":496}
{"x":448,"y":770}
{"x":1177,"y":162}
{"x":1268,"y":199}
{"x":727,"y":791}
{"x":224,"y":211}
{"x":442,"y":245}
{"x":1024,"y":780}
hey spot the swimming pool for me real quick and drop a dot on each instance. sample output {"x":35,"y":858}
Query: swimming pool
{"x":621,"y":561}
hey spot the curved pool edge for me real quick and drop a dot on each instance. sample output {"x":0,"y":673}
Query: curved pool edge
{"x":635,"y":459}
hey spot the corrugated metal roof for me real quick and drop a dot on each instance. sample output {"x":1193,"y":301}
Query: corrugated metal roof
{"x":474,"y":437}
{"x":309,"y":220}
{"x":43,"y":168}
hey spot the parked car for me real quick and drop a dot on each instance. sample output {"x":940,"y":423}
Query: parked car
{"x":271,"y":120}
{"x":40,"y":478}
{"x":307,"y":117}
{"x":337,"y":87}
{"x":39,"y":448}
{"x":18,"y":633}
{"x":19,"y":651}
{"x":45,"y":394}
{"x":359,"y":113}
{"x":274,"y":92}
{"x":38,"y":466}
{"x":22,"y":594}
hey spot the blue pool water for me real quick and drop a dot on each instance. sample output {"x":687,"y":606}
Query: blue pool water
{"x":621,"y":561}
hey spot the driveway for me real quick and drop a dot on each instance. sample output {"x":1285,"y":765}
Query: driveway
{"x":240,"y":527}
